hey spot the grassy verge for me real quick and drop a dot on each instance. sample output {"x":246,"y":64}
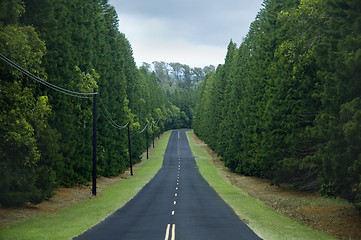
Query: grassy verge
{"x":260,"y":218}
{"x":71,"y":221}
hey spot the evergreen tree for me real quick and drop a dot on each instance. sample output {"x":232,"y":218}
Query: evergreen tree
{"x":285,"y":103}
{"x":24,"y":114}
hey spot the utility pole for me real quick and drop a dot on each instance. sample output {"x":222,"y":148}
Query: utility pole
{"x":130,"y":151}
{"x":146,"y":136}
{"x":94,"y":173}
{"x":153,"y":133}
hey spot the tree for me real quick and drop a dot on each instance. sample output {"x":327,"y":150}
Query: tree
{"x":24,"y":115}
{"x":295,"y":79}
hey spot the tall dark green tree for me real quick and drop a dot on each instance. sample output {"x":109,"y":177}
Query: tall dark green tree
{"x":24,"y":114}
{"x":285,"y":103}
{"x":339,"y":92}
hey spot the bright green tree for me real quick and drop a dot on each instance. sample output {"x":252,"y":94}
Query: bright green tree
{"x":24,"y":114}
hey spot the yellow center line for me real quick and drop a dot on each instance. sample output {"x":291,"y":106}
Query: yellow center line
{"x":173,"y":232}
{"x":167,"y":232}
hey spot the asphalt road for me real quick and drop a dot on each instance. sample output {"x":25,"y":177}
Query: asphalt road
{"x":176,"y":204}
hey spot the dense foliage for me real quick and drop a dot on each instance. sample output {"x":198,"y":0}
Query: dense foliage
{"x":286,"y":104}
{"x":180,"y":82}
{"x":45,"y":135}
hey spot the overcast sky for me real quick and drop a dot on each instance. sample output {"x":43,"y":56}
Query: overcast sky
{"x":192,"y":32}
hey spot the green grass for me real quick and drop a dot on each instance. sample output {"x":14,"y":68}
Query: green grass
{"x":71,"y":221}
{"x":268,"y":224}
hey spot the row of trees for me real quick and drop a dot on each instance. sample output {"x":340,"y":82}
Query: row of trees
{"x":178,"y":75}
{"x":180,"y":82}
{"x":286,"y":104}
{"x":45,"y":135}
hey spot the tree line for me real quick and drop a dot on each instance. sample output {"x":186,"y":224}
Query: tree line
{"x":45,"y":135}
{"x":180,"y":82}
{"x":286,"y":104}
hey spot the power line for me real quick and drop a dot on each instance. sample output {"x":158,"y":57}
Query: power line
{"x":84,"y":95}
{"x":153,"y":124}
{"x":63,"y":90}
{"x":45,"y":83}
{"x":68,"y":92}
{"x":146,"y":125}
{"x":109,"y":119}
{"x":157,"y":121}
{"x":150,"y":125}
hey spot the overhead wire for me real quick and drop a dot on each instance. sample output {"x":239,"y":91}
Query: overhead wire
{"x":153,"y":124}
{"x":69,"y":92}
{"x":146,"y":125}
{"x":109,"y":118}
{"x":45,"y":83}
{"x":62,"y":90}
{"x":110,"y":121}
{"x":150,"y":125}
{"x":157,"y":121}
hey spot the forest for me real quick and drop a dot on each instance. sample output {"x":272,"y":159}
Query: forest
{"x":286,"y":104}
{"x":46,"y":135}
{"x":180,"y":82}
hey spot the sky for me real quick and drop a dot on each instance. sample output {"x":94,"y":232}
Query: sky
{"x":192,"y":32}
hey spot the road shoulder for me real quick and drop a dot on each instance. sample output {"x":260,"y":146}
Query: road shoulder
{"x":66,"y":222}
{"x":265,"y":221}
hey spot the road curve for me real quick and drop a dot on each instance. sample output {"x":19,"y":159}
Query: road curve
{"x":176,"y":204}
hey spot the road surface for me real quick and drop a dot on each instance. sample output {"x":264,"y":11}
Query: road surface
{"x":176,"y":204}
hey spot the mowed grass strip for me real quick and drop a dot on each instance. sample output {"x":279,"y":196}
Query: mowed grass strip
{"x":266,"y":223}
{"x":72,"y":221}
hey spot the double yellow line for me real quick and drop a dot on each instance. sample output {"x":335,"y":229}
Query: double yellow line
{"x":172,"y":233}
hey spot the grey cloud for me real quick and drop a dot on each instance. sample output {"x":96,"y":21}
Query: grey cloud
{"x":197,"y":21}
